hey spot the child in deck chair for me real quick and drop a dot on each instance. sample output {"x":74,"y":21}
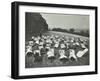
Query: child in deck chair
{"x":29,"y":51}
{"x":72,"y":55}
{"x":83,"y":51}
{"x":63,"y":58}
{"x":56,"y":45}
{"x":62,"y":45}
{"x":37,"y":56}
{"x":43,"y":50}
{"x":31,"y":43}
{"x":40,"y":44}
{"x":51,"y":55}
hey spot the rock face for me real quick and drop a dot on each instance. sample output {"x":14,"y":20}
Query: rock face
{"x":34,"y":24}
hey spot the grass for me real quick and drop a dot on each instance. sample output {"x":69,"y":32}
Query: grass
{"x":29,"y":60}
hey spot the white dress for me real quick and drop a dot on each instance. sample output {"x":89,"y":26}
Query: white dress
{"x":37,"y":51}
{"x":50,"y":53}
{"x":56,"y":45}
{"x":28,"y":49}
{"x":72,"y":54}
{"x":31,"y":43}
{"x":40,"y":45}
{"x":62,"y":54}
{"x":83,"y":46}
{"x":62,"y":45}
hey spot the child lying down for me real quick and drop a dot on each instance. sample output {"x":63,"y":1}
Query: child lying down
{"x":50,"y":55}
{"x":72,"y":55}
{"x":63,"y":58}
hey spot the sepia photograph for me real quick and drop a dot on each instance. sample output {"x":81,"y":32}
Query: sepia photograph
{"x":54,"y":40}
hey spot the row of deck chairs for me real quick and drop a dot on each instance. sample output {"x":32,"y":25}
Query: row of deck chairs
{"x":58,"y":47}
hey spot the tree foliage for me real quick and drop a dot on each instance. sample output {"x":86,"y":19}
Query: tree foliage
{"x":73,"y":31}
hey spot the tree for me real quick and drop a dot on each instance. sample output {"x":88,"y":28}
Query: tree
{"x":34,"y":24}
{"x":71,"y":30}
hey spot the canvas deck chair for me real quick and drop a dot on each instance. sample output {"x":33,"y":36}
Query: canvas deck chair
{"x":51,"y":55}
{"x":37,"y":56}
{"x":72,"y":55}
{"x":29,"y":51}
{"x":81,"y":53}
{"x":63,"y":58}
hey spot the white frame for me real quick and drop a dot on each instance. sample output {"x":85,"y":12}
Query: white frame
{"x":52,"y":70}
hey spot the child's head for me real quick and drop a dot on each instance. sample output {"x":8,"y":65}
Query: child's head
{"x":31,"y":43}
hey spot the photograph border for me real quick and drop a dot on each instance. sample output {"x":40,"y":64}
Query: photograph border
{"x":15,"y":39}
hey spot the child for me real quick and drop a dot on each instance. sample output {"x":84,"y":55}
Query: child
{"x":67,"y":45}
{"x":83,"y":51}
{"x":62,"y":46}
{"x":37,"y":56}
{"x":72,"y":55}
{"x":50,"y":54}
{"x":43,"y":50}
{"x":29,"y":51}
{"x":40,"y":45}
{"x":31,"y":43}
{"x":56,"y":45}
{"x":63,"y":58}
